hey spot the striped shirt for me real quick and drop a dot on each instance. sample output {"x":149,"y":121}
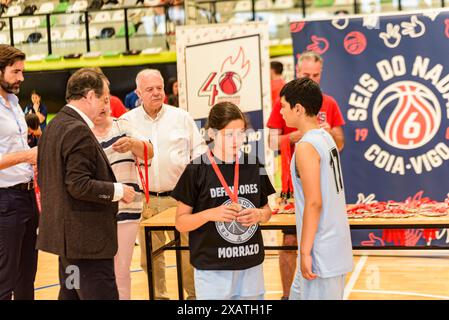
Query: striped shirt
{"x":124,"y":168}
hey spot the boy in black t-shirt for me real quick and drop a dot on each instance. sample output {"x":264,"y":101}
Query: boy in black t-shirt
{"x":226,"y":246}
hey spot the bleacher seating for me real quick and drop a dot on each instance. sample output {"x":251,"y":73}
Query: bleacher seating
{"x":55,"y":35}
{"x":284,"y":4}
{"x":131,"y":31}
{"x":62,"y":7}
{"x":79,"y":5}
{"x":46,"y":7}
{"x":263,"y":5}
{"x":4,"y":39}
{"x":243,"y":6}
{"x":93,"y":32}
{"x":118,"y":16}
{"x":32,"y":22}
{"x":19,"y":37}
{"x":71,"y":34}
{"x":13,"y":11}
{"x":67,"y":20}
{"x":102,"y":17}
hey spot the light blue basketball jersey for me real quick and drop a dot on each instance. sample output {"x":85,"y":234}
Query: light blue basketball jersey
{"x":332,"y":248}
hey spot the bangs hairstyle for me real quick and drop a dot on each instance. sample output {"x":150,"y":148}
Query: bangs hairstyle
{"x":222,"y":113}
{"x":34,"y":92}
{"x":304,"y":91}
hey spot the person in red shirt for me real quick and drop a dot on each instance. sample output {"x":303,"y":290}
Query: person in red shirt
{"x":277,"y":81}
{"x":117,"y":106}
{"x":331,"y":119}
{"x":310,"y":65}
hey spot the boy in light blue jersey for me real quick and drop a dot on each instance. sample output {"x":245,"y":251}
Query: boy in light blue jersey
{"x":324,"y":238}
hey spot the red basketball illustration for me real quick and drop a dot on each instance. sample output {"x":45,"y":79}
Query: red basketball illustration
{"x":230,"y":82}
{"x":355,"y":42}
{"x":406,"y":115}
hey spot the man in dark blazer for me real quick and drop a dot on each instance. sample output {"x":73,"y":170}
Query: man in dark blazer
{"x":79,"y":193}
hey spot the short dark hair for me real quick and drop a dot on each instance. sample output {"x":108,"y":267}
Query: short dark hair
{"x":222,"y":113}
{"x":32,"y":121}
{"x":277,"y":66}
{"x":305,"y":92}
{"x":84,"y":80}
{"x":9,"y":55}
{"x":35,"y":92}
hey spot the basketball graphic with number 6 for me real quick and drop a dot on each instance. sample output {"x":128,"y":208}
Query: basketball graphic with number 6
{"x":406,"y":115}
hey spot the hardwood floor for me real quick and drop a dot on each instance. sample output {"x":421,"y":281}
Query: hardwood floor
{"x":374,"y":277}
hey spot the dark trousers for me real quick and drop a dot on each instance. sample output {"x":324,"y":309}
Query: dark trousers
{"x":85,"y":279}
{"x":18,"y":255}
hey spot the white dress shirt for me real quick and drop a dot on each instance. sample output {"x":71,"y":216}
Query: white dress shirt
{"x":82,"y":115}
{"x":13,"y":138}
{"x":176,"y":141}
{"x":118,"y":187}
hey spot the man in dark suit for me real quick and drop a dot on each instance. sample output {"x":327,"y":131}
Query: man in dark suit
{"x":79,"y":193}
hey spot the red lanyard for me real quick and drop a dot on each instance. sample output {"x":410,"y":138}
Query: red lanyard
{"x":232,"y":195}
{"x":286,"y":156}
{"x":145,"y":181}
{"x":37,"y":191}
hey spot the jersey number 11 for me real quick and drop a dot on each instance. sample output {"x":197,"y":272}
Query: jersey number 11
{"x":335,"y":164}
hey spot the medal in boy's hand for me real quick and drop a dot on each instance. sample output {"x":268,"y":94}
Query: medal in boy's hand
{"x":237,"y":207}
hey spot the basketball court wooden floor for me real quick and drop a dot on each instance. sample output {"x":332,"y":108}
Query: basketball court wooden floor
{"x":374,"y":277}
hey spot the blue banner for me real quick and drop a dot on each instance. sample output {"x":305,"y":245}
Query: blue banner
{"x":390,"y":77}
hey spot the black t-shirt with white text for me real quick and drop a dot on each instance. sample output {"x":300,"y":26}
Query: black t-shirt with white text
{"x":220,"y":245}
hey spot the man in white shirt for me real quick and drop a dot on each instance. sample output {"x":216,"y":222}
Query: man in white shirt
{"x":18,"y":209}
{"x":176,"y":141}
{"x":80,"y":194}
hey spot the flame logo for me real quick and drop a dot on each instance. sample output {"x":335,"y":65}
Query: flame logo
{"x":406,"y":115}
{"x":238,"y":65}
